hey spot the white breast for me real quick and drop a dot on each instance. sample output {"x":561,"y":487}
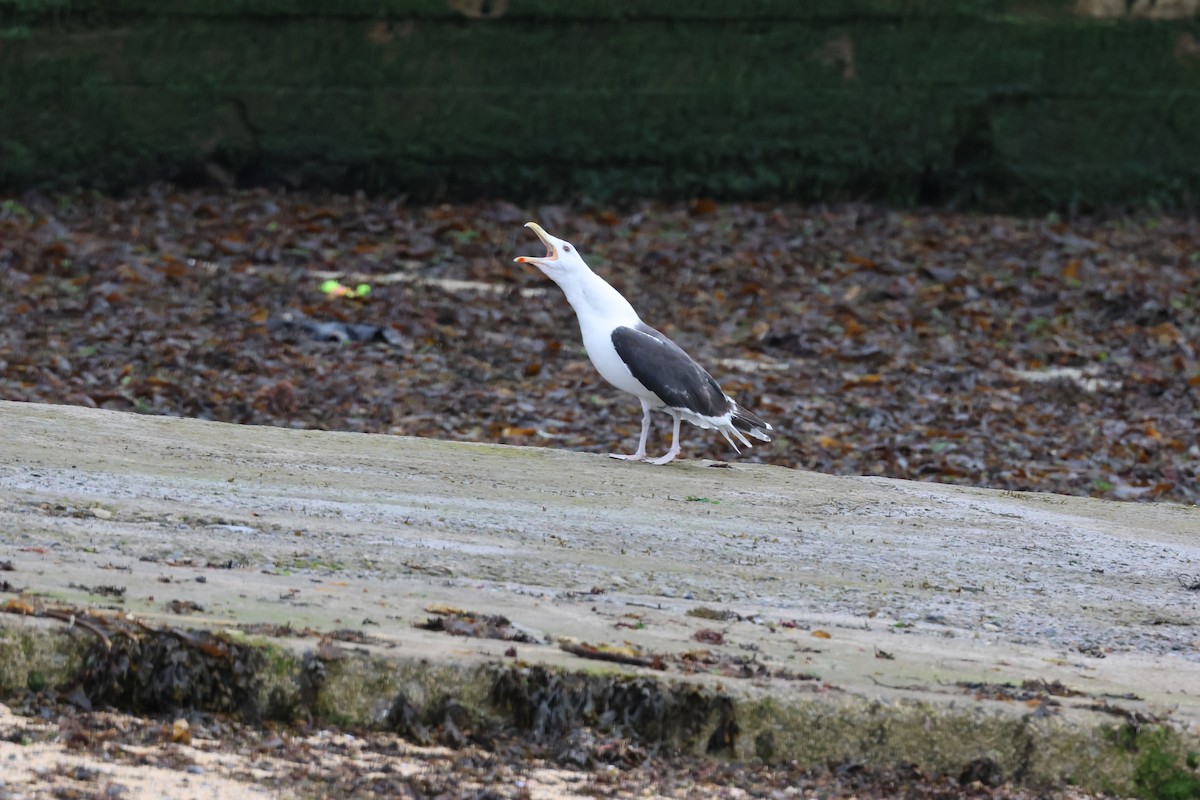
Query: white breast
{"x":598,"y":341}
{"x":600,"y":309}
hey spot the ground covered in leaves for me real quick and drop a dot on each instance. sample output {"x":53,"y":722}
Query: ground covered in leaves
{"x":1035,"y":354}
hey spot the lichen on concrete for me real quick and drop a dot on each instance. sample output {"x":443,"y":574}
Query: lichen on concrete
{"x":32,"y":657}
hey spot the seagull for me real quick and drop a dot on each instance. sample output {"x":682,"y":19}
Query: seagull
{"x":637,"y":359}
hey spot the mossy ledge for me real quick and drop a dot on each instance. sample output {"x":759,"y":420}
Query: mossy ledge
{"x":168,"y":670}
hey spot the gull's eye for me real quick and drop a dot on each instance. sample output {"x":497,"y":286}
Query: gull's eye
{"x":567,"y":248}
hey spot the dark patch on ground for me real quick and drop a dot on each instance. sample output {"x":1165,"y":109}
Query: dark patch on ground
{"x":184,"y":607}
{"x":277,"y":630}
{"x":104,"y":591}
{"x":736,"y":666}
{"x":704,"y":612}
{"x":457,"y":622}
{"x":1029,"y":691}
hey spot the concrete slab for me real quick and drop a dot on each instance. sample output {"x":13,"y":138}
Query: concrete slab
{"x":882,"y":594}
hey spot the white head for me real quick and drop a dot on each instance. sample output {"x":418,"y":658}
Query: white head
{"x":562,"y":262}
{"x":589,"y":294}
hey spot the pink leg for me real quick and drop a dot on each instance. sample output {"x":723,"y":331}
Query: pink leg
{"x":674,"y":451}
{"x":640,"y":455}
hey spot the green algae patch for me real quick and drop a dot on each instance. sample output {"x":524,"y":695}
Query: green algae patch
{"x":1028,"y":749}
{"x":507,"y":451}
{"x":36,"y":658}
{"x":1167,"y":765}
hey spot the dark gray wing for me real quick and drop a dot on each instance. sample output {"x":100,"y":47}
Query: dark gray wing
{"x":663,"y":368}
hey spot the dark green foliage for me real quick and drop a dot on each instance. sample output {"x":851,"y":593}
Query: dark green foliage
{"x":978,"y":103}
{"x":1159,"y":774}
{"x":36,"y":681}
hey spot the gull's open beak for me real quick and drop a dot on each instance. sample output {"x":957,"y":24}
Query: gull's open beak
{"x":551,"y":253}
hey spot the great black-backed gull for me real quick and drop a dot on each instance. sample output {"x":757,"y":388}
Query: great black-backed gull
{"x":634,"y":357}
